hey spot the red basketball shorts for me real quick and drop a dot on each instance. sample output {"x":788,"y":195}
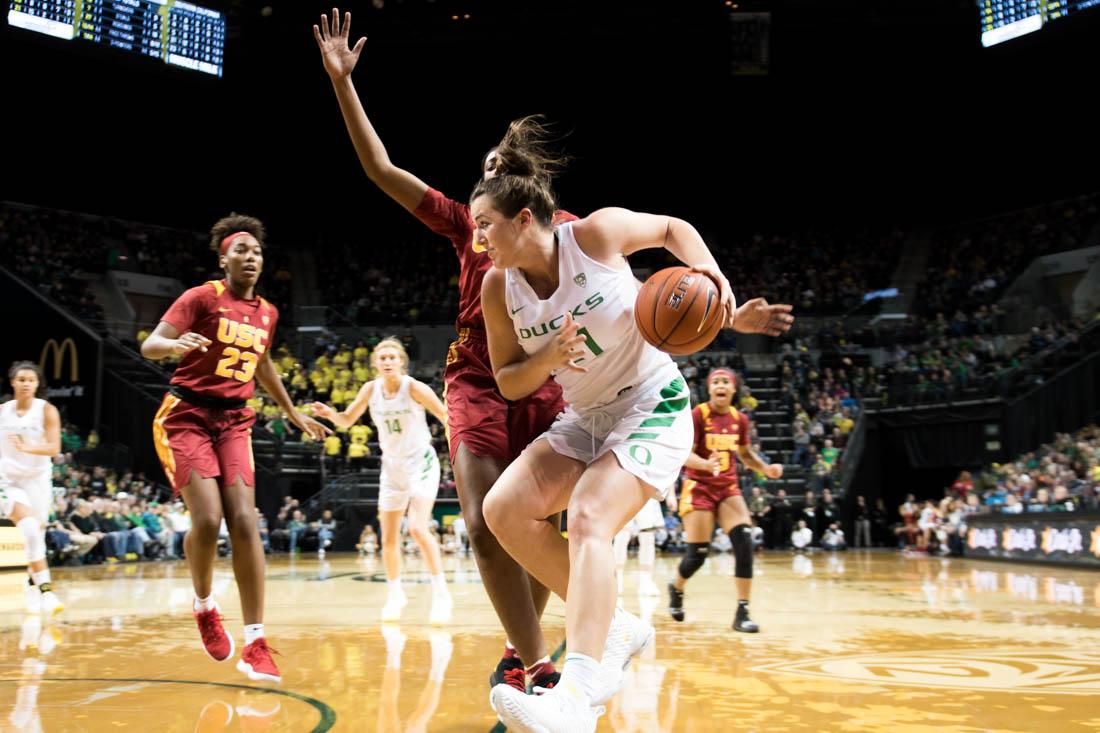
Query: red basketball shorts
{"x":479,"y":416}
{"x":696,"y":496}
{"x":212,"y":443}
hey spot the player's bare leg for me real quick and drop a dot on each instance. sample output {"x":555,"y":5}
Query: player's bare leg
{"x":509,"y":587}
{"x":239,"y":501}
{"x":204,"y":503}
{"x":391,"y":559}
{"x":420,"y":510}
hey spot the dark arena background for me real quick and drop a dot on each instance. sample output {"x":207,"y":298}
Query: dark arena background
{"x":917,"y":178}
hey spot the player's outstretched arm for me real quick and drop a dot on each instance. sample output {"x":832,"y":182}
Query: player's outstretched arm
{"x":351,"y":414}
{"x":268,"y":377}
{"x":166,"y":341}
{"x":340,"y":59}
{"x":751,"y":459}
{"x":428,"y":399}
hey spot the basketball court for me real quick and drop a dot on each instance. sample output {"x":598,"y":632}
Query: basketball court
{"x":850,"y":642}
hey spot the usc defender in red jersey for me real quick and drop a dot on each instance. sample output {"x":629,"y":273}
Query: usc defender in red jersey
{"x":710,"y":490}
{"x":485,"y":430}
{"x":223,"y":332}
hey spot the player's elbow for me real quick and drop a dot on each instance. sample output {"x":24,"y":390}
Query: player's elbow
{"x":509,"y":388}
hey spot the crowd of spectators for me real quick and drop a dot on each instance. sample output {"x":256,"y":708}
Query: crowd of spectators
{"x":413,"y":282}
{"x":60,"y":252}
{"x":976,"y":261}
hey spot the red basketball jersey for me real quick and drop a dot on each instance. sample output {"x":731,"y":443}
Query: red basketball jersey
{"x":721,"y":433}
{"x":452,"y":219}
{"x":241,"y":331}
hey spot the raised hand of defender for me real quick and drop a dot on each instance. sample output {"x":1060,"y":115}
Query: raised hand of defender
{"x":728,"y":302}
{"x":566,"y":346}
{"x":321,"y":410}
{"x":308,"y":425}
{"x":758,"y":316}
{"x":189,"y":342}
{"x":332,"y":39}
{"x":774,"y":471}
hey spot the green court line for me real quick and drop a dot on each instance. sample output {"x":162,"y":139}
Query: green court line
{"x":328,"y":715}
{"x":500,"y":727}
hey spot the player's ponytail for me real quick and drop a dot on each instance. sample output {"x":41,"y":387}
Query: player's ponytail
{"x":526,"y":150}
{"x":524,"y":169}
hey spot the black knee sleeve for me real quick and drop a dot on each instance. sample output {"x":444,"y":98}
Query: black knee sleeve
{"x":741,"y":537}
{"x":695,"y":554}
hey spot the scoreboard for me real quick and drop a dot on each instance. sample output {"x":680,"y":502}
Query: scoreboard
{"x":176,"y":32}
{"x":1003,"y":20}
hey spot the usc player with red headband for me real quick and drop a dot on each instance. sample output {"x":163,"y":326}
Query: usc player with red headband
{"x":710,"y":490}
{"x":223,"y":332}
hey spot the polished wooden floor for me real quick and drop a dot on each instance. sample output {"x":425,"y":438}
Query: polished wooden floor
{"x":850,"y":642}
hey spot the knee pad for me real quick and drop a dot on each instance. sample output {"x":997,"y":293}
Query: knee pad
{"x":695,"y":554}
{"x":32,"y":534}
{"x":741,"y":538}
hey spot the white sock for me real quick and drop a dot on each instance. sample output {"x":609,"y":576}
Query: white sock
{"x":205,"y":604}
{"x":439,"y":584}
{"x":647,"y":549}
{"x":580,"y":677}
{"x":394,"y":586}
{"x":41,"y":576}
{"x":253,"y":632}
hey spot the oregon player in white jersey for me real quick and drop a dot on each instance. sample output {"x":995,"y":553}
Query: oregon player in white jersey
{"x":410,"y":468}
{"x":30,"y":434}
{"x":560,"y":302}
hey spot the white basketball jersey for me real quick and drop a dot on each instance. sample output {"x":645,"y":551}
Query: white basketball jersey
{"x":31,"y":427}
{"x":402,"y":426}
{"x":601,"y":300}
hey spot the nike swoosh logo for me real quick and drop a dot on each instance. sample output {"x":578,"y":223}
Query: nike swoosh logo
{"x":224,"y":310}
{"x":517,"y":310}
{"x":710,"y":302}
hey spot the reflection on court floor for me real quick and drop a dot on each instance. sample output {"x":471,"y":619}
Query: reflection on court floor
{"x":849,"y":642}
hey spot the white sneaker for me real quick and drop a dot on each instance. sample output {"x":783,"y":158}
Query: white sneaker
{"x":51,"y":604}
{"x":442,"y":605}
{"x":554,"y":712}
{"x":394,"y":603}
{"x":626,"y":638}
{"x":33,"y":598}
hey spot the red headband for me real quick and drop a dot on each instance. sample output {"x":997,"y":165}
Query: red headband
{"x":229,"y":240}
{"x":721,"y":370}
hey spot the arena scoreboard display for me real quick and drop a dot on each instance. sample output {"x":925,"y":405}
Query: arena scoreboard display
{"x":1003,"y":20}
{"x":178,"y":33}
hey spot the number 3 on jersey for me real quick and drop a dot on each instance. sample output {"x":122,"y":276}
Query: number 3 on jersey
{"x":393,"y":426}
{"x":230,"y":357}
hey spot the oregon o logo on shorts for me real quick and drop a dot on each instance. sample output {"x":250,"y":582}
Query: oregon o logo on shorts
{"x":645,"y":459}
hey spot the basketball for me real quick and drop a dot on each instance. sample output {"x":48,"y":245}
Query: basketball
{"x":679,"y":311}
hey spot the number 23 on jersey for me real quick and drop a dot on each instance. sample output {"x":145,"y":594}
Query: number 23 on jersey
{"x":236,"y":363}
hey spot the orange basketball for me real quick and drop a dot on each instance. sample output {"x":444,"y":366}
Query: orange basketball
{"x":679,"y":311}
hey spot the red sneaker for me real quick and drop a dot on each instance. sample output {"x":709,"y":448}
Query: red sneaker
{"x":256,"y":662}
{"x":217,"y":643}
